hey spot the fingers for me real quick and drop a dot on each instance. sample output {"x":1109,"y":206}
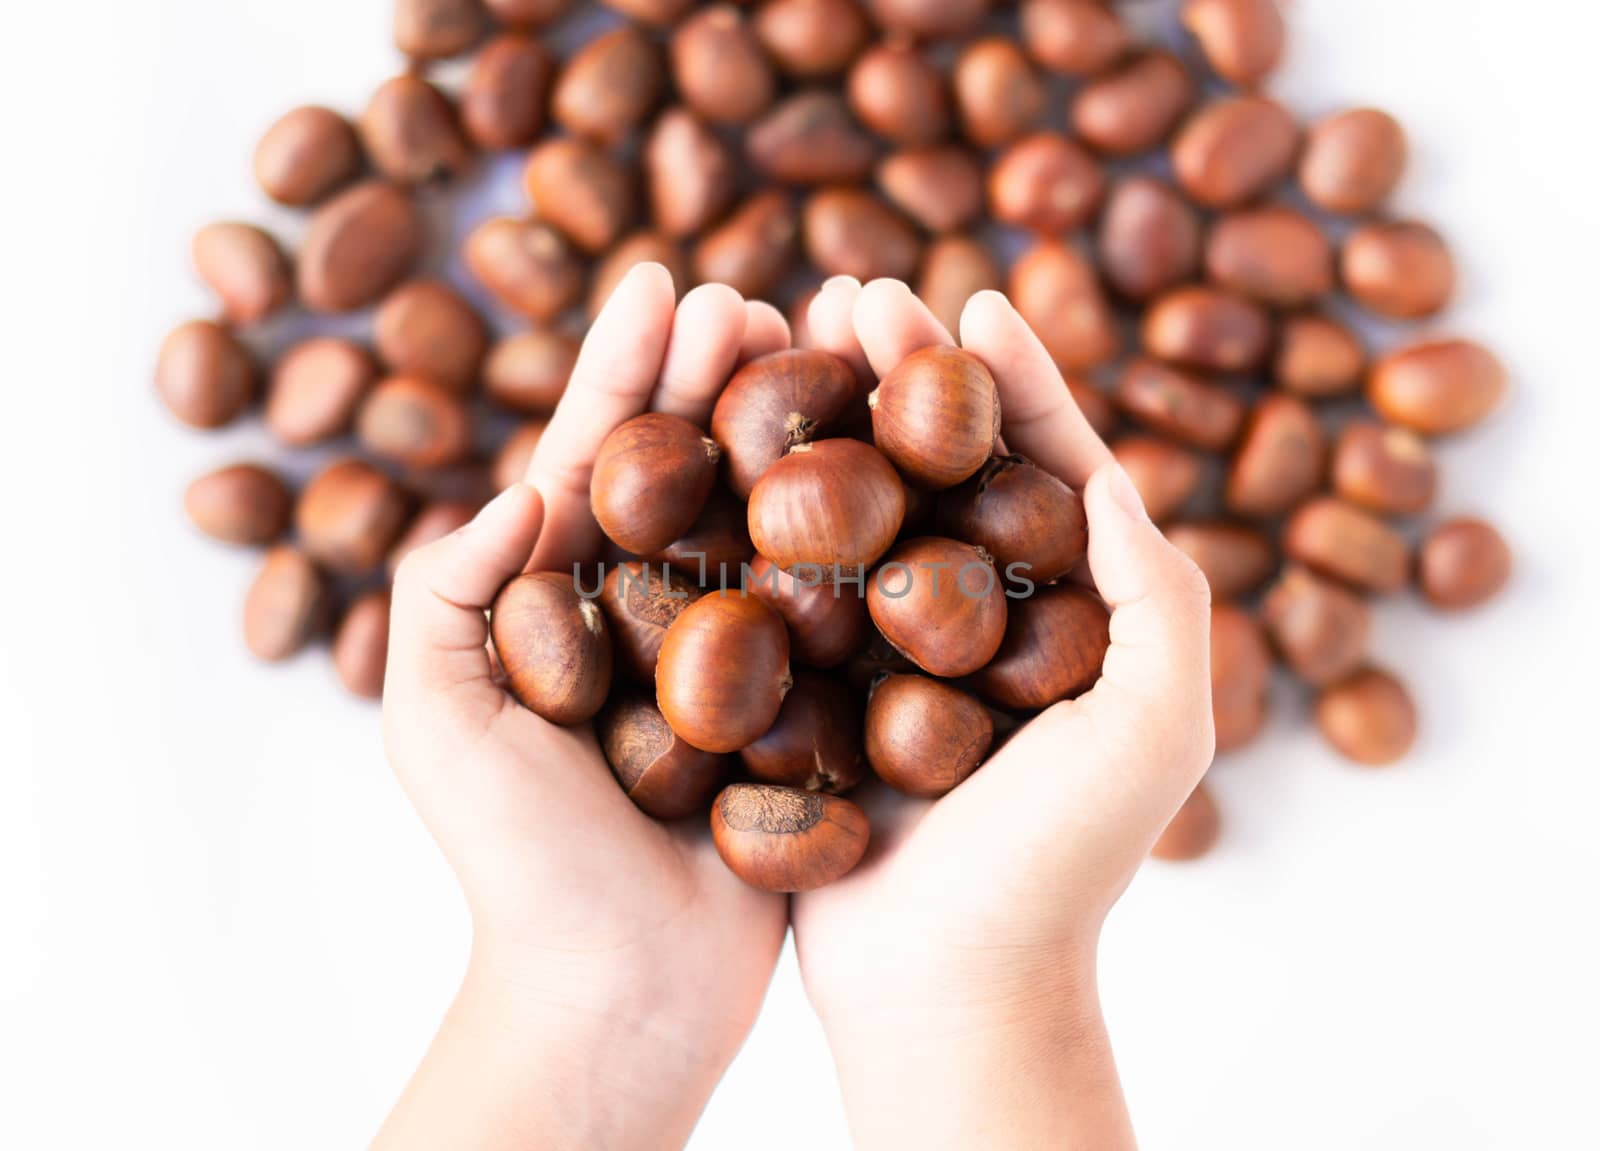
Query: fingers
{"x":765,"y":331}
{"x":1155,"y":692}
{"x":891,"y":323}
{"x":831,"y":320}
{"x":612,"y":382}
{"x":438,"y":631}
{"x":1039,"y":417}
{"x":707,"y":334}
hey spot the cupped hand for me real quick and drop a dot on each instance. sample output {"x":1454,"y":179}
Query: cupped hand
{"x":628,"y":940}
{"x":955,"y":966}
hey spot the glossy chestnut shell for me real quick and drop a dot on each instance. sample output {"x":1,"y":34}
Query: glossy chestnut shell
{"x":723,"y":671}
{"x":652,"y":477}
{"x":924,"y":737}
{"x":554,"y":646}
{"x":936,"y":416}
{"x":784,"y":839}
{"x":941,"y":603}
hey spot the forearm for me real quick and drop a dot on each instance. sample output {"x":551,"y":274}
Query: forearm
{"x":518,"y":1066}
{"x":1037,"y":1074}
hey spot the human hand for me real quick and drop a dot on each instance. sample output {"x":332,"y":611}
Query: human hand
{"x":617,"y":965}
{"x":954,"y":968}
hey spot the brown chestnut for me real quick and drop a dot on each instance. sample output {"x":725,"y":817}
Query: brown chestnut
{"x":1437,"y":387}
{"x":833,"y":503}
{"x":940,"y":188}
{"x":826,"y":618}
{"x":849,"y":232}
{"x":941,"y":603}
{"x":752,"y":249}
{"x":720,"y":68}
{"x":924,"y":737}
{"x":241,"y":504}
{"x":1021,"y":515}
{"x":414,"y":421}
{"x":315,"y":390}
{"x":1179,"y":405}
{"x":1134,"y":108}
{"x":425,"y":328}
{"x":361,"y":645}
{"x":1056,"y":290}
{"x":954,"y":269}
{"x":1045,"y":183}
{"x":1368,"y":718}
{"x":349,"y":515}
{"x":717,"y":544}
{"x":1165,"y":475}
{"x":511,"y":462}
{"x":528,"y":372}
{"x":689,"y":173}
{"x":526,"y":13}
{"x":1233,"y":149}
{"x":554,"y":646}
{"x":652,"y":476}
{"x":581,"y":190}
{"x":1095,"y":405}
{"x":306,"y":156}
{"x":1353,"y":160}
{"x":1319,"y":628}
{"x":1242,"y":39}
{"x":204,"y":374}
{"x":1345,"y":543}
{"x":811,"y":138}
{"x":998,"y":96}
{"x":286,"y":605}
{"x":503,"y":103}
{"x":435,"y":521}
{"x":435,"y":29}
{"x":1386,"y":470}
{"x":1401,"y":271}
{"x":815,"y":743}
{"x":412,"y":134}
{"x":609,"y":86}
{"x":1318,"y":358}
{"x":930,"y":19}
{"x":812,"y":38}
{"x":1149,"y":238}
{"x":1274,"y":255}
{"x":640,"y":601}
{"x":723,"y":671}
{"x":1241,"y":673}
{"x":639,"y":248}
{"x":1073,"y":37}
{"x":245,"y":267}
{"x":1193,"y":832}
{"x":1207,"y":329}
{"x":657,"y":13}
{"x":1056,"y":641}
{"x":936,"y":415}
{"x":1463,"y":563}
{"x":357,"y":246}
{"x":1280,"y":460}
{"x":775,"y":402}
{"x":526,"y":266}
{"x":785,"y":839}
{"x":897,"y":92}
{"x":665,"y":777}
{"x":1235,"y":558}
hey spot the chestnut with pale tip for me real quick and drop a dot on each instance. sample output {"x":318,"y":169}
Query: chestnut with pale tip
{"x":924,"y":737}
{"x":936,"y":416}
{"x":652,"y":476}
{"x":723,"y":671}
{"x":784,"y":839}
{"x":664,"y":776}
{"x":554,"y":645}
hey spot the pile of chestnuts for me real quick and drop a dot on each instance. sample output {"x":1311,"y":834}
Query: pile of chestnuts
{"x":1229,"y":299}
{"x":828,"y":582}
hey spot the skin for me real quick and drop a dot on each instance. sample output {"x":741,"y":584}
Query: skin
{"x":617,"y":969}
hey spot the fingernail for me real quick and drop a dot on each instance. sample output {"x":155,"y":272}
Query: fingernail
{"x":833,"y":282}
{"x":1124,"y":494}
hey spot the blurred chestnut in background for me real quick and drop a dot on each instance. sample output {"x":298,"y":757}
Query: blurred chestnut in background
{"x":239,"y":504}
{"x":204,"y":375}
{"x":1463,"y":563}
{"x":349,"y":515}
{"x":1368,"y":718}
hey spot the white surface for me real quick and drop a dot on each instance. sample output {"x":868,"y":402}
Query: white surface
{"x":222,"y":926}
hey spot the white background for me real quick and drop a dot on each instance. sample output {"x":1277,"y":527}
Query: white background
{"x":221,"y":926}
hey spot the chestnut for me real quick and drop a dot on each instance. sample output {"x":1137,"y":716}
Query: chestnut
{"x":1149,"y":238}
{"x":581,"y":190}
{"x":435,"y":29}
{"x":414,"y":422}
{"x":609,"y":86}
{"x":640,"y":601}
{"x":1368,"y":718}
{"x":1318,"y":358}
{"x":245,"y":267}
{"x":1353,"y":160}
{"x":435,"y":521}
{"x":286,"y":605}
{"x":775,"y":402}
{"x":1462,"y":563}
{"x":954,"y":269}
{"x":689,"y":172}
{"x":723,"y":671}
{"x":784,"y":839}
{"x":810,"y":138}
{"x":1437,"y":387}
{"x":357,"y":246}
{"x":833,"y":503}
{"x":527,"y":14}
{"x":936,"y":415}
{"x":716,"y":545}
{"x":752,"y":249}
{"x":657,"y":13}
{"x":1235,"y":558}
{"x":815,"y":743}
{"x":307,"y":154}
{"x":1045,"y":183}
{"x":525,"y":265}
{"x":826,"y":618}
{"x":1179,"y":405}
{"x":511,"y":462}
{"x":1385,"y":470}
{"x":1165,"y":475}
{"x":1095,"y":405}
{"x":503,"y":102}
{"x":349,"y":515}
{"x":639,"y":248}
{"x":1273,"y":255}
{"x":1242,"y":39}
{"x":1021,"y":515}
{"x":924,"y":737}
{"x":1345,"y":543}
{"x":1207,"y":329}
{"x":1193,"y":831}
{"x":242,"y":504}
{"x":998,"y":96}
{"x":361,"y":645}
{"x":720,"y":68}
{"x":1280,"y":460}
{"x":941,"y":603}
{"x":1241,"y":674}
{"x":1233,"y":149}
{"x":554,"y":646}
{"x":315,"y":390}
{"x":665,"y":777}
{"x":1134,"y":108}
{"x":1055,"y":644}
{"x":849,"y":232}
{"x":1398,"y":270}
{"x":1073,"y":37}
{"x":204,"y":374}
{"x":1319,"y":628}
{"x":897,"y":92}
{"x":528,"y":372}
{"x":940,"y":188}
{"x":425,"y":328}
{"x":876,"y":660}
{"x":411,"y":133}
{"x":651,"y":479}
{"x":1057,"y":291}
{"x":930,"y":19}
{"x":812,"y":38}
